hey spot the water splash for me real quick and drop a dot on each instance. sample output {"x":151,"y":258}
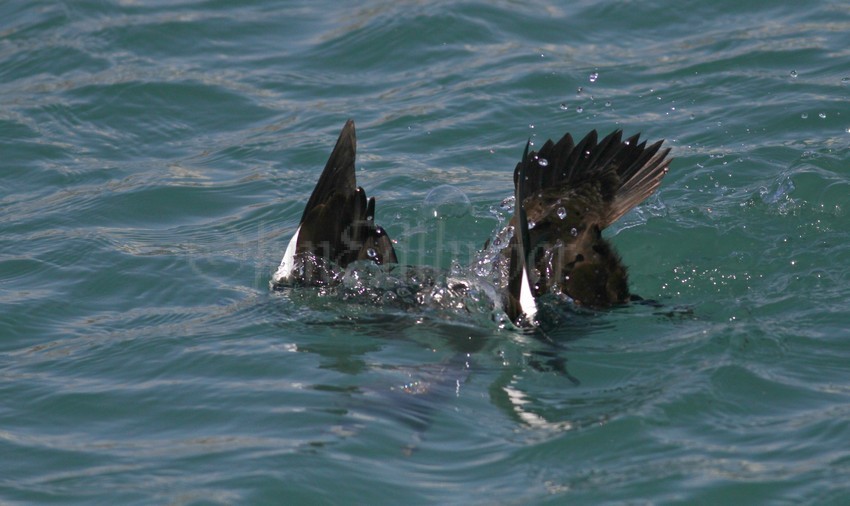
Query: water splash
{"x":783,"y":189}
{"x":507,"y":204}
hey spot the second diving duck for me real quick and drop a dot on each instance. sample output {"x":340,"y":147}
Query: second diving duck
{"x":566,"y":194}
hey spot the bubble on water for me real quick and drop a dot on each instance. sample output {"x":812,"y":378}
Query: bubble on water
{"x":562,"y":213}
{"x":371,"y":253}
{"x":579,"y":90}
{"x":507,"y":203}
{"x":564,"y":107}
{"x":845,"y":80}
{"x":607,"y":103}
{"x":388,"y":298}
{"x":822,"y":115}
{"x":793,"y":73}
{"x":805,"y":115}
{"x":593,"y":77}
{"x":446,"y":201}
{"x":579,"y":109}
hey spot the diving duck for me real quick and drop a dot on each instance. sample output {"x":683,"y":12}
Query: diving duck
{"x":566,"y":194}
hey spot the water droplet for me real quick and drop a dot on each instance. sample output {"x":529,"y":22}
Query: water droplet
{"x":562,"y":213}
{"x":531,"y":125}
{"x":531,"y":224}
{"x":574,"y":232}
{"x":593,"y":77}
{"x":446,"y":201}
{"x":607,"y":103}
{"x":371,"y":253}
{"x":542,"y":162}
{"x":579,"y":109}
{"x":564,"y":107}
{"x":579,"y":90}
{"x":822,"y":115}
{"x":805,"y":115}
{"x":508,"y":204}
{"x":793,"y":73}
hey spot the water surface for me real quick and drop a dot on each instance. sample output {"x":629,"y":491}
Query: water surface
{"x":156,"y":157}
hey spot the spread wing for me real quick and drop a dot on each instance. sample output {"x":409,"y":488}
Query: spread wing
{"x":572,"y":192}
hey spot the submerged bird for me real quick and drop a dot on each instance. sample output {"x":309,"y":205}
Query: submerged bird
{"x":566,"y":194}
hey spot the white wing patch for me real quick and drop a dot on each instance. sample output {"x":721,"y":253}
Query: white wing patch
{"x":284,"y":271}
{"x":526,"y":298}
{"x":519,"y":399}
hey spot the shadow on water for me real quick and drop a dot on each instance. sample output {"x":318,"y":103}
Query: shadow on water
{"x":405,"y":364}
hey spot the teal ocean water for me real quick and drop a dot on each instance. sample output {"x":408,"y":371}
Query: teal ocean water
{"x":156,"y":157}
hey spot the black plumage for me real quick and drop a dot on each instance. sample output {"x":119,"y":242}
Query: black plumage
{"x":338,"y":224}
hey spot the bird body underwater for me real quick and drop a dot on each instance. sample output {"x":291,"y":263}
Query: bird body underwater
{"x":566,"y":194}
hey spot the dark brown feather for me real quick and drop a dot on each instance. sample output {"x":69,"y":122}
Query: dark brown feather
{"x":574,"y":192}
{"x":338,"y":226}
